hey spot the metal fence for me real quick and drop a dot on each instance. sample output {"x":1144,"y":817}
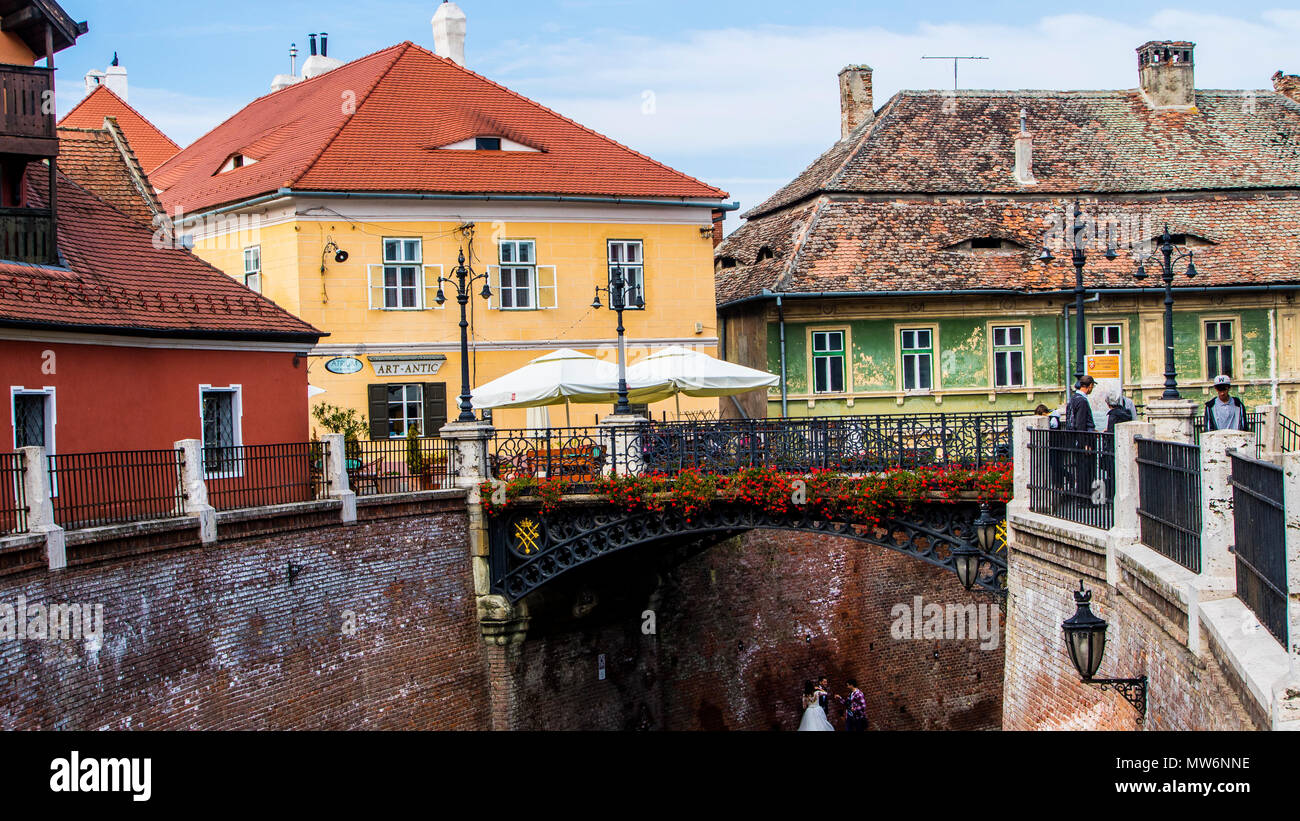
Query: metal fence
{"x":109,"y":487}
{"x":1254,"y":426}
{"x":1259,"y":525}
{"x":579,"y":455}
{"x":381,"y":466}
{"x":1288,"y":434}
{"x":1072,"y":476}
{"x":1169,"y":499}
{"x":243,"y":476}
{"x":13,"y":494}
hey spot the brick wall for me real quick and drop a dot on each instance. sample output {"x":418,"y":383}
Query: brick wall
{"x":218,"y":638}
{"x":1146,"y":636}
{"x":740,"y":626}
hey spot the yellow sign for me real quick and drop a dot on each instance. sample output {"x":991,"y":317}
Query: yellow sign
{"x":527,"y":534}
{"x":1103,"y":366}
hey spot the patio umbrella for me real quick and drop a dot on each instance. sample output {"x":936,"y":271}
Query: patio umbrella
{"x":559,"y":378}
{"x":697,"y":374}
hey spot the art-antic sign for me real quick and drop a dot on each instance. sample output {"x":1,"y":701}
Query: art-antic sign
{"x":407,"y":365}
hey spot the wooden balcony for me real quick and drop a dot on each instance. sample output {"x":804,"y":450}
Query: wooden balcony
{"x":27,"y":235}
{"x":27,"y":125}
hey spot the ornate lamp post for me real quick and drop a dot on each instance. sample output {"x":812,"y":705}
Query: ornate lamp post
{"x":618,"y":301}
{"x":1167,"y":274}
{"x":464,"y":280}
{"x":1078,"y":258}
{"x":1085,"y":638}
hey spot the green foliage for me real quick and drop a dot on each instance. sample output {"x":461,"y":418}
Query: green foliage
{"x":346,"y":421}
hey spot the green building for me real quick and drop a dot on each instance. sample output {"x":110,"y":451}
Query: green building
{"x":903,"y":271}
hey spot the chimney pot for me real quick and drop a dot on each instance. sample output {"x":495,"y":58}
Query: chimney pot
{"x":1024,"y":153}
{"x":312,"y":38}
{"x":1165,"y":73}
{"x":855,"y":98}
{"x":449,"y":27}
{"x":1288,"y":85}
{"x":324,"y":44}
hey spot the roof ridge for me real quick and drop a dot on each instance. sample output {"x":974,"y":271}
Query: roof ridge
{"x":133,"y":167}
{"x":572,"y":122}
{"x":129,"y":107}
{"x":400,"y":50}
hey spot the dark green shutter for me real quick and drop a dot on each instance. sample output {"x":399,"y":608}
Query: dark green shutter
{"x":378,"y":411}
{"x":435,"y":407}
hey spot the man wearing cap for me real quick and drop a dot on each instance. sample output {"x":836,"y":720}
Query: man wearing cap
{"x":1225,"y":411}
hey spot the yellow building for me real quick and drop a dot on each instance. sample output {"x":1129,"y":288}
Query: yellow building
{"x":346,"y":195}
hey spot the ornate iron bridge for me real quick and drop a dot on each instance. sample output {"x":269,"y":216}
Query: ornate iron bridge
{"x":529,"y":548}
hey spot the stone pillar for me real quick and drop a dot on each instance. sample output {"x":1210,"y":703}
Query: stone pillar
{"x":336,"y":472}
{"x":624,"y":442}
{"x":1173,"y":418}
{"x":40,"y":506}
{"x":1020,"y":461}
{"x":1127,"y":529}
{"x":1270,"y":439}
{"x":504,"y":627}
{"x":1286,"y":693}
{"x":1216,"y":501}
{"x":196,"y":489}
{"x":472,"y":441}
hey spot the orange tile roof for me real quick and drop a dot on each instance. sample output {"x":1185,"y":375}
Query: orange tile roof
{"x":379,"y":124}
{"x":151,"y":145}
{"x":91,"y":158}
{"x":115,"y":280}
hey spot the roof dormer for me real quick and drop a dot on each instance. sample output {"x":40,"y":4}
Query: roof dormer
{"x":487,"y":142}
{"x":985,"y":245}
{"x":235,"y":161}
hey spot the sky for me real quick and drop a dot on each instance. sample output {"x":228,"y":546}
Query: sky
{"x":742,"y":95}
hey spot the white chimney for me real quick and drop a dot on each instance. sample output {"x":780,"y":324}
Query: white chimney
{"x":1025,"y":154}
{"x":114,"y":77}
{"x":449,"y":32}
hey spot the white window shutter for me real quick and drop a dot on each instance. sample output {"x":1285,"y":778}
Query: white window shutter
{"x":432,"y":273}
{"x":375,"y":286}
{"x":548,"y":291}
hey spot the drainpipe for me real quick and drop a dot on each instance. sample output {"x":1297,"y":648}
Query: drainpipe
{"x":780,"y":315}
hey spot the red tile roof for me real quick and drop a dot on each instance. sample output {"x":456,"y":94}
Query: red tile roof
{"x":92,"y":159}
{"x":117,"y":282}
{"x":379,"y":124}
{"x":151,"y":145}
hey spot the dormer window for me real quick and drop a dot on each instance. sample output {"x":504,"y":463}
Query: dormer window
{"x":1185,"y":240}
{"x":487,"y":143}
{"x":726,"y":262}
{"x":764,"y":253}
{"x":235,"y":161}
{"x":984,"y":244}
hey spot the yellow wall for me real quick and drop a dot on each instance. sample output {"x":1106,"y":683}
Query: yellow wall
{"x":13,"y":51}
{"x":679,"y":293}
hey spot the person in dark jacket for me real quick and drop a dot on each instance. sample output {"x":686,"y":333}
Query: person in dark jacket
{"x":1078,"y":419}
{"x":1078,"y":413}
{"x":1119,"y":411}
{"x":1225,"y":411}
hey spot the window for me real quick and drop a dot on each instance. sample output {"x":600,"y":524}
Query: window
{"x":828,"y":361}
{"x":253,"y":268}
{"x":33,"y":419}
{"x":1218,"y":348}
{"x":1106,"y":339}
{"x":403,"y":274}
{"x":518,"y":276}
{"x":487,"y":143}
{"x":395,"y":408}
{"x":1008,"y":356}
{"x":918,"y":358}
{"x":220,"y":412}
{"x":989,"y":243}
{"x":625,"y":257}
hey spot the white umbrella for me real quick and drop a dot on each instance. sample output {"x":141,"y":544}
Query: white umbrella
{"x":697,"y":374}
{"x":558,"y":378}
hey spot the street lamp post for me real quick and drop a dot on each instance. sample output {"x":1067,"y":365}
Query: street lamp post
{"x":464,"y":280}
{"x":618,"y":301}
{"x":1078,"y":258}
{"x":1167,"y":275}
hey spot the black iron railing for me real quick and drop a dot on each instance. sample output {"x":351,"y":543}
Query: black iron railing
{"x":13,"y":494}
{"x":1288,"y":434}
{"x":399,"y":465}
{"x":1072,"y":476}
{"x":1259,"y":531}
{"x":578,"y":455}
{"x":1169,"y":499}
{"x":1254,"y":425}
{"x":243,"y":476}
{"x":110,"y":487}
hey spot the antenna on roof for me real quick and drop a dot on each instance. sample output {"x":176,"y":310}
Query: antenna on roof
{"x":954,"y":65}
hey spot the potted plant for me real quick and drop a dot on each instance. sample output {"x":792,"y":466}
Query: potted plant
{"x":427,"y":468}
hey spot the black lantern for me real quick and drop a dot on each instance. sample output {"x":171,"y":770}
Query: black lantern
{"x":1085,"y":639}
{"x":966,"y":556}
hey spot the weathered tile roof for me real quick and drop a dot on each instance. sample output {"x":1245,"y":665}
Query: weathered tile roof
{"x":893,"y":245}
{"x":95,"y":161}
{"x":881,"y":209}
{"x":116,"y":281}
{"x":151,"y":145}
{"x":381,"y":124}
{"x":1083,"y":141}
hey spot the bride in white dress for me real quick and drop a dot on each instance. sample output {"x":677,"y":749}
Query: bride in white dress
{"x":814,"y":717}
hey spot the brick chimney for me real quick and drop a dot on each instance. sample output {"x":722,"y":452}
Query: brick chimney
{"x":855,"y":98}
{"x":1288,"y":85}
{"x":1165,"y":73}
